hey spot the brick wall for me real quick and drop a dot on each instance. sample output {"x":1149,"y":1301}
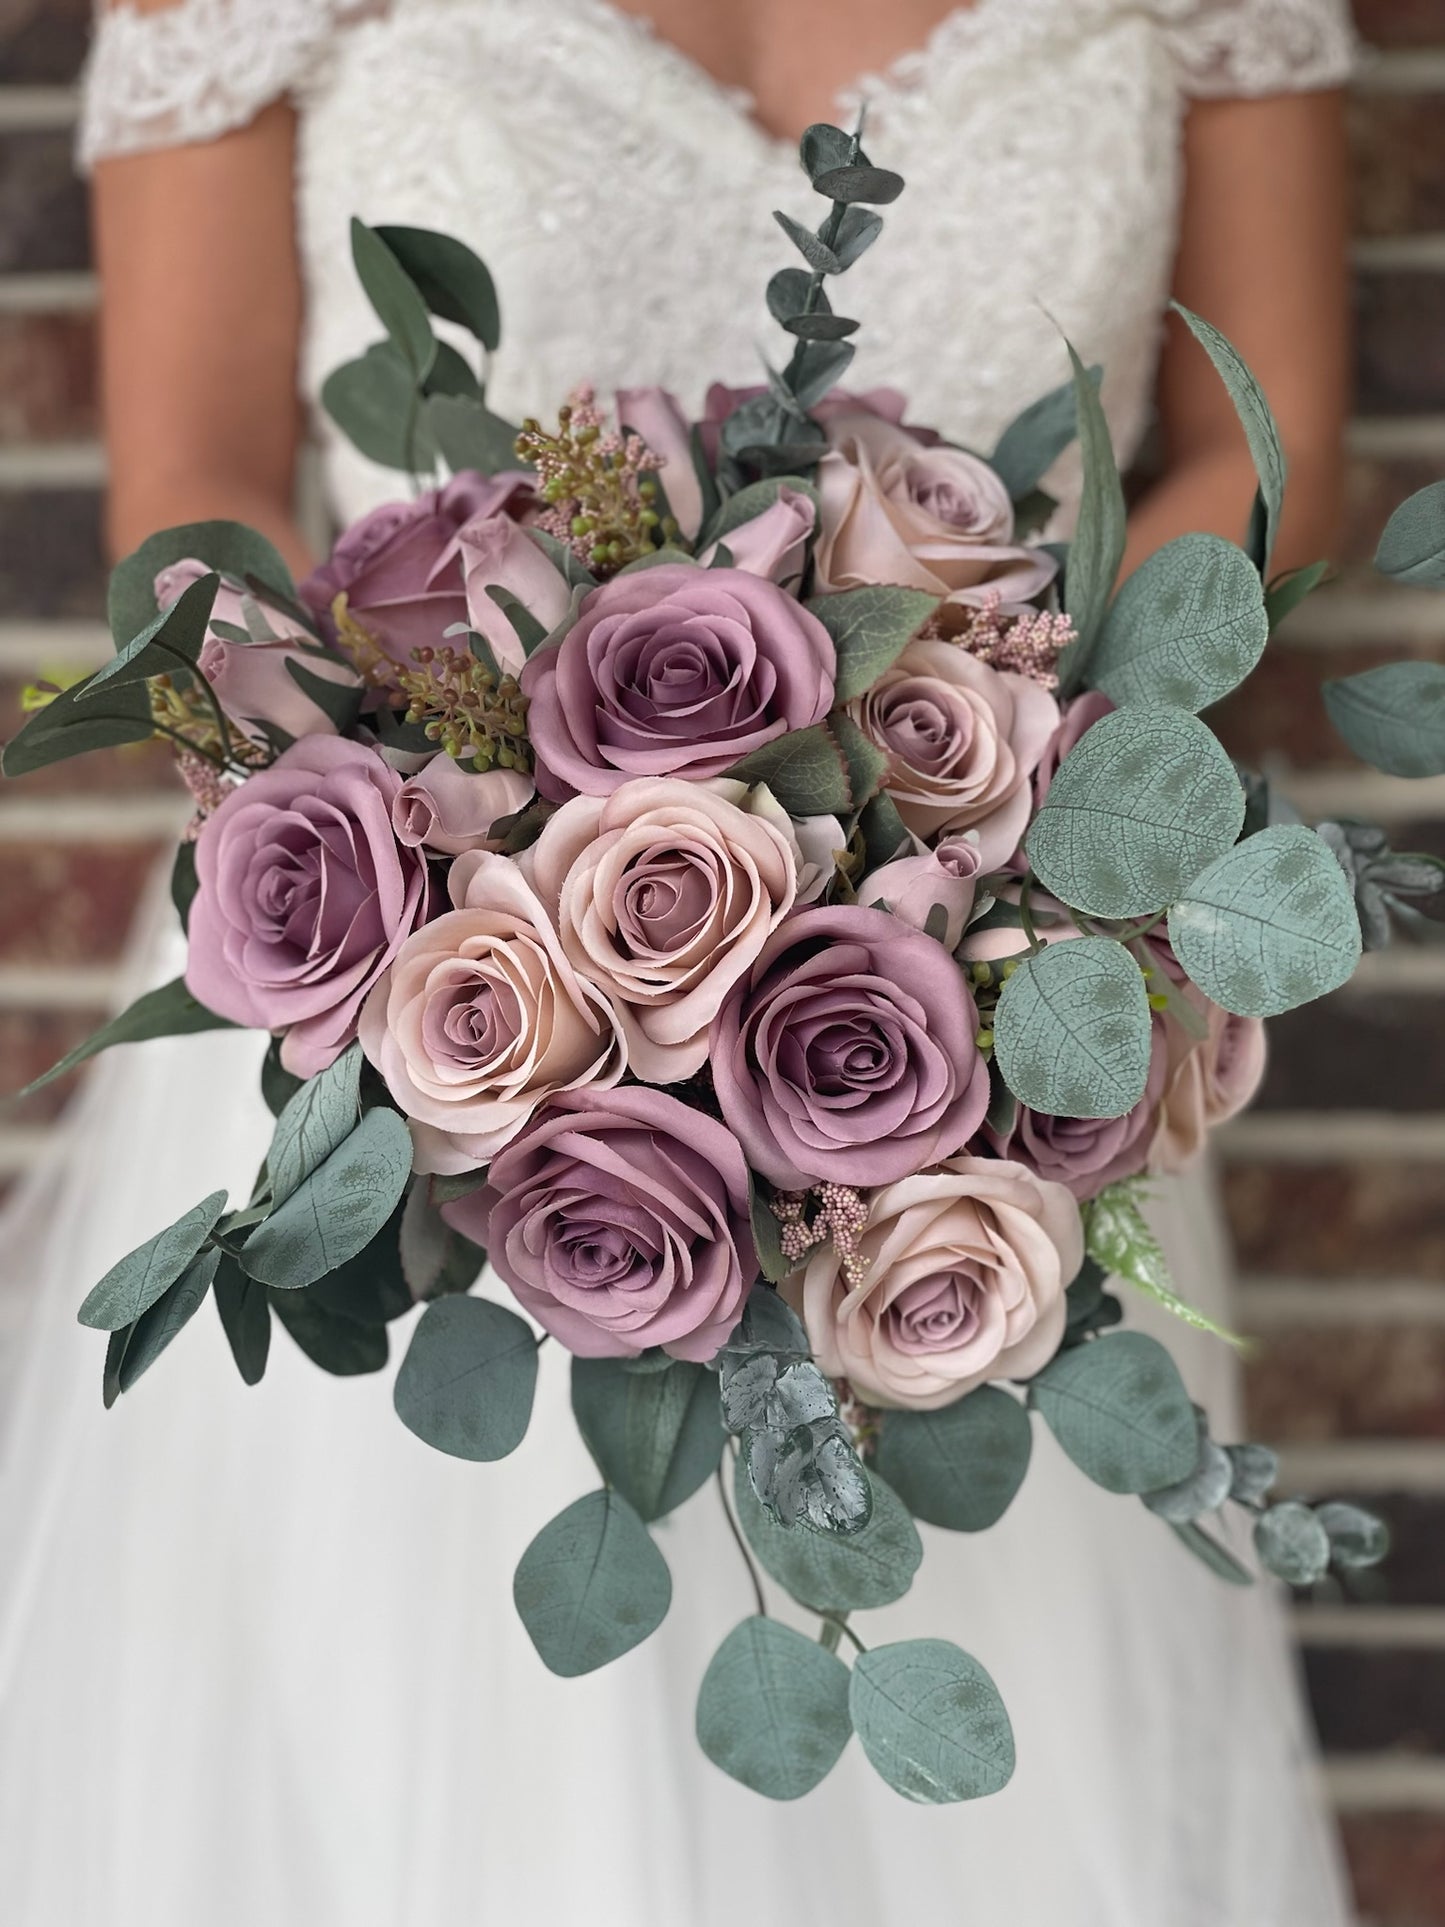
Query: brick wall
{"x":1335,"y":1185}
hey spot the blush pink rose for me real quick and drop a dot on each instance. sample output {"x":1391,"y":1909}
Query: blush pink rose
{"x":911,"y":886}
{"x":620,"y":1221}
{"x":481,"y":1018}
{"x":673,"y":671}
{"x":251,"y":679}
{"x":966,"y":1270}
{"x":962,"y":741}
{"x":448,"y":807}
{"x":932,"y":518}
{"x":496,"y":553}
{"x":1209,"y":1080}
{"x":848,"y":1052}
{"x":656,"y":415}
{"x":400,"y":567}
{"x":305,"y":896}
{"x":663,"y":894}
{"x":773,"y":543}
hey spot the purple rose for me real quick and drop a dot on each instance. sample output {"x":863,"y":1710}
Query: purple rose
{"x":673,"y":671}
{"x":656,"y":415}
{"x":620,"y":1220}
{"x":772,"y":543}
{"x":913,"y":886}
{"x":400,"y":568}
{"x":1086,"y":1153}
{"x":252,"y":682}
{"x":848,"y":1052}
{"x":305,"y":897}
{"x":497,"y":554}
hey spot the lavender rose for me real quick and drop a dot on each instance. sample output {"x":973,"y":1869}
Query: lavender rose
{"x":496,"y":553}
{"x":962,"y":742}
{"x":934,"y":518}
{"x":304,"y":897}
{"x":252,"y":682}
{"x":966,"y":1270}
{"x":400,"y":567}
{"x":772,"y":543}
{"x":847,"y":1053}
{"x":481,"y":1018}
{"x":673,"y":671}
{"x":656,"y":415}
{"x":913,"y":886}
{"x":449,"y":807}
{"x":620,"y":1220}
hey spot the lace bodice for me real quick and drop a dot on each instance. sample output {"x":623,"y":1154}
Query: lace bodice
{"x":622,"y":197}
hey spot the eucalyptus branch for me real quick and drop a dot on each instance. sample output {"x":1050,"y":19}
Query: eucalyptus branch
{"x":735,"y":1529}
{"x":834,"y":1627}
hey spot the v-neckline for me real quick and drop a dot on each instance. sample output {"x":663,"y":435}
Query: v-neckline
{"x":904,"y":74}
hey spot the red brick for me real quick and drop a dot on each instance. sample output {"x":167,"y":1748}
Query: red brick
{"x":1358,"y":1381}
{"x":1376,"y":1699}
{"x":1397,"y":1864}
{"x":42,"y":42}
{"x":1401,"y":23}
{"x":1372,"y":1219}
{"x":43,"y":221}
{"x":1399,"y":171}
{"x":52,"y":554}
{"x":1374,"y":487}
{"x":1352,"y":1052}
{"x":66,"y":904}
{"x":47,"y":377}
{"x":1277,"y":716}
{"x":1400,"y":342}
{"x":30,"y":1042}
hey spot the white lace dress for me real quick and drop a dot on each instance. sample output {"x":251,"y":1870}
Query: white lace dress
{"x":258,"y":1658}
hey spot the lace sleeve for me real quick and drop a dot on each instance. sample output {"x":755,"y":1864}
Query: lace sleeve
{"x":198,"y":68}
{"x":1227,"y":48}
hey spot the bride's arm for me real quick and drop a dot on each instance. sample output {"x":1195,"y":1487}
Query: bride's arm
{"x":1263,"y":254}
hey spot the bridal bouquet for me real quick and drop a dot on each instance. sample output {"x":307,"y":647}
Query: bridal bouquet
{"x":739,"y":881}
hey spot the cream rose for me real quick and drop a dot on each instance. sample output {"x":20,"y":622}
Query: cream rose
{"x":928,"y":517}
{"x":967,"y":1266}
{"x":962,"y":742}
{"x":1208,"y":1080}
{"x":663,"y":894}
{"x":481,"y":1018}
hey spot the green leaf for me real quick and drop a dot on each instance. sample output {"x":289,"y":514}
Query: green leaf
{"x":1185,"y":629}
{"x":453,"y":282}
{"x":1393,"y":717}
{"x":131,"y":1287}
{"x":1357,"y":1538}
{"x":184,"y":881}
{"x":931,"y":1721}
{"x":1287,"y":592}
{"x":68,"y":725}
{"x":824,"y":146}
{"x":829,"y":770}
{"x":468,"y":1379}
{"x":114,"y":1359}
{"x":962,"y":1465}
{"x":1119,"y":1409}
{"x":230,"y":548}
{"x":850,"y":183}
{"x":1292,"y":1544}
{"x":371,"y":1288}
{"x":1034,"y":440}
{"x":744,"y":503}
{"x":339,"y":702}
{"x":1219,"y":1559}
{"x":1204,"y":1490}
{"x":1254,"y":1470}
{"x":321,"y":1115}
{"x":435,"y":1258}
{"x":177,"y":633}
{"x":767,"y":1236}
{"x":591,"y":1586}
{"x":1259,"y":430}
{"x":835,"y":1571}
{"x":885,"y":834}
{"x":1412,"y":548}
{"x":395,"y":297}
{"x":168,"y":1011}
{"x":1120,"y":1241}
{"x":870,"y":628}
{"x":857,"y":231}
{"x":176,"y":1306}
{"x":278,"y":1085}
{"x":816,"y":366}
{"x":816,"y":253}
{"x":338,"y":1345}
{"x":772,"y":1710}
{"x":1098,"y":545}
{"x":1269,"y":925}
{"x":338,"y":1209}
{"x":656,"y":1436}
{"x":1139,"y":806}
{"x":452,"y":374}
{"x":245,"y":1317}
{"x":529,"y":632}
{"x":1072,"y":1031}
{"x":374,"y":402}
{"x":469,"y":435}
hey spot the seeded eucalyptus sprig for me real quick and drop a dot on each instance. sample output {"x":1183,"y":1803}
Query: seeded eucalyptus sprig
{"x":774,"y":434}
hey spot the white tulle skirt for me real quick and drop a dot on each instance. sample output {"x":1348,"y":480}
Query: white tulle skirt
{"x":259,"y":1665}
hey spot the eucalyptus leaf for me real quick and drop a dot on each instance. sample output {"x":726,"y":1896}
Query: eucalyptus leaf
{"x":453,"y":281}
{"x":470,"y":436}
{"x":1258,"y":424}
{"x":395,"y":297}
{"x":370,"y":1288}
{"x":824,"y":146}
{"x":468,"y":1379}
{"x":1072,"y":1031}
{"x":816,"y":253}
{"x":962,"y":1465}
{"x":184,"y":881}
{"x":321,"y":1115}
{"x":788,"y":291}
{"x":931,"y":1721}
{"x":336,"y":1344}
{"x":1393,"y":717}
{"x":1185,"y":629}
{"x":114,"y":1359}
{"x":820,"y":326}
{"x":1142,"y":803}
{"x":1098,"y":545}
{"x":1219,"y":1559}
{"x":1119,"y":1409}
{"x":833,"y":1571}
{"x":772,"y":1710}
{"x":767,"y":1237}
{"x":1357,"y":1538}
{"x":816,"y":367}
{"x":857,"y":231}
{"x":1287,"y":592}
{"x":375,"y":403}
{"x":230,"y":548}
{"x":885,"y":834}
{"x":434,"y":1257}
{"x":1254,"y":1470}
{"x":1269,"y":925}
{"x":133,"y":1285}
{"x":245,"y":1314}
{"x":870,"y":628}
{"x":829,"y":770}
{"x":70,"y":725}
{"x":1034,"y":440}
{"x":278,"y":1085}
{"x":172,"y":638}
{"x":656,"y":1436}
{"x":339,"y":1208}
{"x":176,"y":1306}
{"x":1412,"y":548}
{"x":452,"y":374}
{"x":852,"y":182}
{"x":591,"y":1585}
{"x":1204,"y":1490}
{"x":339,"y":702}
{"x":1292,"y":1544}
{"x":168,"y":1011}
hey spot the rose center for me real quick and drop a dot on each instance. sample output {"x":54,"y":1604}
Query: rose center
{"x":665,"y":902}
{"x":936,"y":1313}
